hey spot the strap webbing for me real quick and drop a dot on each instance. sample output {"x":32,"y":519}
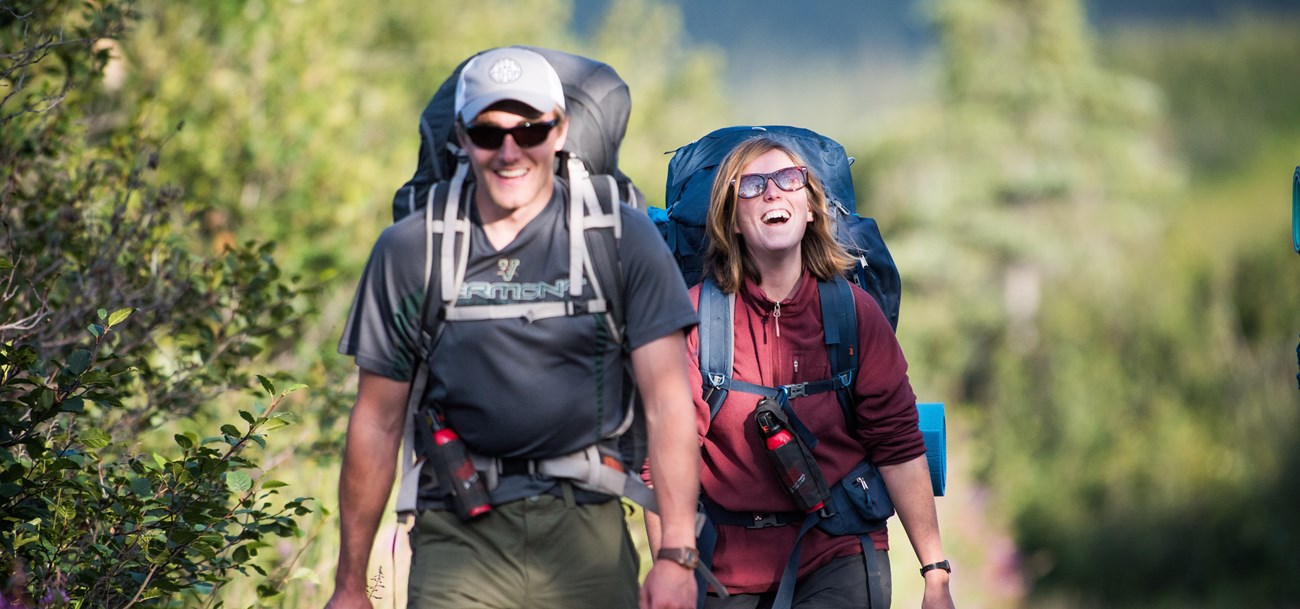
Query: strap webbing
{"x":840,"y":329}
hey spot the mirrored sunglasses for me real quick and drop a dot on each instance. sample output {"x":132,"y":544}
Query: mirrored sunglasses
{"x":789,"y":179}
{"x":526,"y":135}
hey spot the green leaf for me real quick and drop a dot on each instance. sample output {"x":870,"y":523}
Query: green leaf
{"x":266,"y":384}
{"x":78,"y":362}
{"x":183,"y":441}
{"x":231,"y":430}
{"x":274,"y":424}
{"x":295,"y":387}
{"x":95,"y":438}
{"x":95,"y":330}
{"x":101,"y":313}
{"x":73,"y":404}
{"x":248,"y":416}
{"x":269,"y":484}
{"x":141,"y":486}
{"x":119,"y":316}
{"x":238,"y":481}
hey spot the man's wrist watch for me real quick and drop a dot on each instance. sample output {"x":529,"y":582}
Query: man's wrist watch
{"x":686,"y":557}
{"x":943,"y":564}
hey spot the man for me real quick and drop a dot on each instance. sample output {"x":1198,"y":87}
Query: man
{"x":519,"y":389}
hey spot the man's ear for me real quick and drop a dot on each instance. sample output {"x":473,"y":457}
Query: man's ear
{"x":461,"y":138}
{"x":564,"y":134}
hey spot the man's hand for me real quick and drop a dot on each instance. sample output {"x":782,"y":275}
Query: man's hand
{"x":668,"y":586}
{"x":343,"y":599}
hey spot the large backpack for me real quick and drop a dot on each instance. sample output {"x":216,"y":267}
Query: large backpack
{"x":690,"y":179}
{"x":597,"y":104}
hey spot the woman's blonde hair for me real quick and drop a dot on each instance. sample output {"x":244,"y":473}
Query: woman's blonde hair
{"x":727,"y":259}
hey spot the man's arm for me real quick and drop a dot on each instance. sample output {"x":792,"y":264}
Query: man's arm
{"x":366,"y":480}
{"x":661,"y":375}
{"x":913,"y":497}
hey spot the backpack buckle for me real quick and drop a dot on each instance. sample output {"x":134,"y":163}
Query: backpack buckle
{"x":796,"y":391}
{"x":765,"y":520}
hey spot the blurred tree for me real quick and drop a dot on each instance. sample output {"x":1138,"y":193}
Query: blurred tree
{"x":1231,"y":87}
{"x":1118,"y":339}
{"x":1038,"y":166}
{"x":675,"y":88}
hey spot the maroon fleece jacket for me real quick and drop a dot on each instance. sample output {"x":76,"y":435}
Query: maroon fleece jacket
{"x":772,"y":350}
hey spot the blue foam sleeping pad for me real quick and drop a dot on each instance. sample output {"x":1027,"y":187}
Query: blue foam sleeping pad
{"x":934,"y":429}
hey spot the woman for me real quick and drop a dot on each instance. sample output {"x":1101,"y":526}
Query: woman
{"x":770,"y":243}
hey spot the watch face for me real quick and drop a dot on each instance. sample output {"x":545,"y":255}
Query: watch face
{"x":686,"y":557}
{"x":690,"y":558}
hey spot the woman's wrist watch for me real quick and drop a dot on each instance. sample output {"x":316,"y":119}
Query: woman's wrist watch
{"x":943,"y":564}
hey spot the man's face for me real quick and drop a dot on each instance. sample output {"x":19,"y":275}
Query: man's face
{"x":512,"y":176}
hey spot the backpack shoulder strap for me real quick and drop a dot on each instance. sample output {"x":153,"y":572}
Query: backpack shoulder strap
{"x":437,"y":232}
{"x":839,"y":321}
{"x":603,"y":228}
{"x":716,"y":354}
{"x":840,"y":328}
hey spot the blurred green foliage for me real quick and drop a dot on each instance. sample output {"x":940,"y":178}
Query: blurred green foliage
{"x":1119,"y":324}
{"x":1229,"y":89}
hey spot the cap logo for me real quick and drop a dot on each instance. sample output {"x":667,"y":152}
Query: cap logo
{"x":505,"y":71}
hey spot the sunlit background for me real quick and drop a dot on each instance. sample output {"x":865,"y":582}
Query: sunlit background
{"x":1088,"y":203}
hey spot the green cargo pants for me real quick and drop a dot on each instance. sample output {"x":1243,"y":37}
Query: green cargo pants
{"x":533,"y":553}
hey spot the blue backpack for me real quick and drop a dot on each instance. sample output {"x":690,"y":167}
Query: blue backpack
{"x":690,"y":179}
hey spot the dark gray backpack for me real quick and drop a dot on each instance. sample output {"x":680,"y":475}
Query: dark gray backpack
{"x":597,"y":102}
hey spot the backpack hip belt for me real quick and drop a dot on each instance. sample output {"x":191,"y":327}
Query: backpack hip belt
{"x":588,"y":469}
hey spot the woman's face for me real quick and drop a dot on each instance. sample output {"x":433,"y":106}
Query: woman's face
{"x":773,"y":223}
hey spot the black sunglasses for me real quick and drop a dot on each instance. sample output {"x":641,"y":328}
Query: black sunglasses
{"x":789,"y":179}
{"x":526,"y":135}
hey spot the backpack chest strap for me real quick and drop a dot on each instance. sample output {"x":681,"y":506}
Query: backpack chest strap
{"x":794,"y":390}
{"x":529,"y":311}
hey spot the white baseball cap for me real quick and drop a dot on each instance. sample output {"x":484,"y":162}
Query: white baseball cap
{"x":508,"y":73}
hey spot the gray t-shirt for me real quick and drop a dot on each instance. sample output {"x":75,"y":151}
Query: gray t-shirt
{"x":515,"y":388}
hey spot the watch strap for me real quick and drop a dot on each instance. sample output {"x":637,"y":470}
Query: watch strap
{"x":943,"y":564}
{"x":686,"y":557}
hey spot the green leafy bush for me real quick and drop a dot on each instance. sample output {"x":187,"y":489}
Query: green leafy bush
{"x":97,"y":507}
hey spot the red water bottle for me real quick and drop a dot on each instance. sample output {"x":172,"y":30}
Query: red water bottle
{"x":795,"y":467}
{"x":469,"y":496}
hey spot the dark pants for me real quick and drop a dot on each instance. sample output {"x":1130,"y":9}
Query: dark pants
{"x":841,"y":584}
